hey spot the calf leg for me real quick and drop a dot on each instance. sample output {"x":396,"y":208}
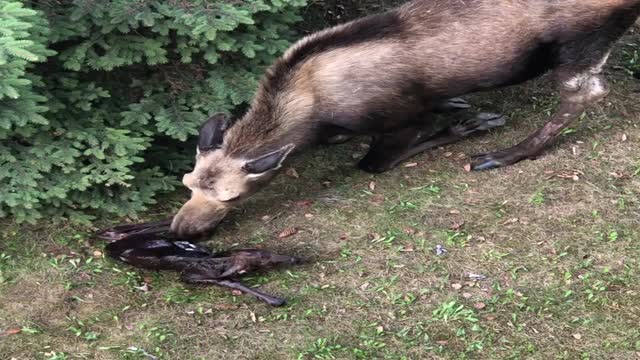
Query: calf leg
{"x":388,"y":150}
{"x":578,"y":89}
{"x":202,"y":280}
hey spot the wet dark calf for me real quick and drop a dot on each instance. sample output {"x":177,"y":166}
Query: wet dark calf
{"x":386,"y":75}
{"x":148,"y":246}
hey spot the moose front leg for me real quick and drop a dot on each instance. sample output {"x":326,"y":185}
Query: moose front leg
{"x":577,"y":91}
{"x":338,"y":136}
{"x":388,"y":150}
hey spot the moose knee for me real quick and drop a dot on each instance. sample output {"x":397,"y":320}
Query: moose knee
{"x":586,"y":89}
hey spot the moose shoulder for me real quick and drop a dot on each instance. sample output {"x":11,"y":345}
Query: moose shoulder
{"x":385,"y":75}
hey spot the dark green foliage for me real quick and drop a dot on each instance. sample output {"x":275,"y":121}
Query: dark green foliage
{"x":99,"y":99}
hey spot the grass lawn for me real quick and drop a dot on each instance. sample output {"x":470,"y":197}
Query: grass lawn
{"x":556,"y":240}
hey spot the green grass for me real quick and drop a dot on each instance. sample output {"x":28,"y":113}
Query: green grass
{"x":557,"y":239}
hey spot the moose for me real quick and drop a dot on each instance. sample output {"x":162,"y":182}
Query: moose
{"x":386,"y":75}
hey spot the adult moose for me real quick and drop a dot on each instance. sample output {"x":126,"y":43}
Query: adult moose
{"x":385,"y":75}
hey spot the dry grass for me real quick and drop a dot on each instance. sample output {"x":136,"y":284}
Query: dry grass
{"x":560,"y":255}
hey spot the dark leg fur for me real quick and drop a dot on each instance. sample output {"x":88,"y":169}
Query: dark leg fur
{"x":388,"y":150}
{"x":452,"y":104}
{"x":199,"y":280}
{"x":335,"y":136}
{"x":580,"y":86}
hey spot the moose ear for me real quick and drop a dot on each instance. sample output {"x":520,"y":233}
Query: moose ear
{"x":268,"y":162}
{"x":212,"y":131}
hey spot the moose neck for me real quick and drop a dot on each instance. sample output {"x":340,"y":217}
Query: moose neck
{"x":274,"y":120}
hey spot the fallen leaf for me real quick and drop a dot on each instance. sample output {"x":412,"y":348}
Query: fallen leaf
{"x":12,"y":331}
{"x":292,"y":173}
{"x":308,"y":216}
{"x":408,"y":248}
{"x":225,"y":307}
{"x":456,"y":225}
{"x":577,"y":336}
{"x":624,"y":137}
{"x":456,"y":286}
{"x":304,"y":203}
{"x":409,"y":231}
{"x":287,"y":232}
{"x":236,"y":292}
{"x":144,"y":287}
{"x":454,"y":211}
{"x":253,"y":316}
{"x":344,"y":236}
{"x":466,"y":295}
{"x":377,"y":199}
{"x":97,"y":253}
{"x":372,"y":185}
{"x":467,"y":167}
{"x":479,"y":305}
{"x":447,"y":154}
{"x":409,"y":165}
{"x":442,"y":342}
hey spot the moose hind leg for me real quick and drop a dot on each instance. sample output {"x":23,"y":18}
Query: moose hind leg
{"x":578,"y":89}
{"x":579,"y":82}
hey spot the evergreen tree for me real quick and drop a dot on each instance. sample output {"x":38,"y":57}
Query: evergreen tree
{"x":99,"y":99}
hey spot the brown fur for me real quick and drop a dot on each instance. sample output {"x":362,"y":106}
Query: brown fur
{"x":385,"y":73}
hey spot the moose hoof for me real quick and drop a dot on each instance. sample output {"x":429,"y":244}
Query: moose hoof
{"x":452,"y":104}
{"x":372,"y":167}
{"x":500,"y":158}
{"x":482,"y":122}
{"x":485,"y":162}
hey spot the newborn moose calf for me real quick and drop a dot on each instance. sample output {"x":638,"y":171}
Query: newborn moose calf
{"x":146,"y":246}
{"x":386,"y":75}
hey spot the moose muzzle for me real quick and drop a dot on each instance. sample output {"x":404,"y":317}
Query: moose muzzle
{"x":198,"y":216}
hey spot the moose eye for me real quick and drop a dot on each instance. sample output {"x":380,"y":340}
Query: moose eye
{"x":207,"y":184}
